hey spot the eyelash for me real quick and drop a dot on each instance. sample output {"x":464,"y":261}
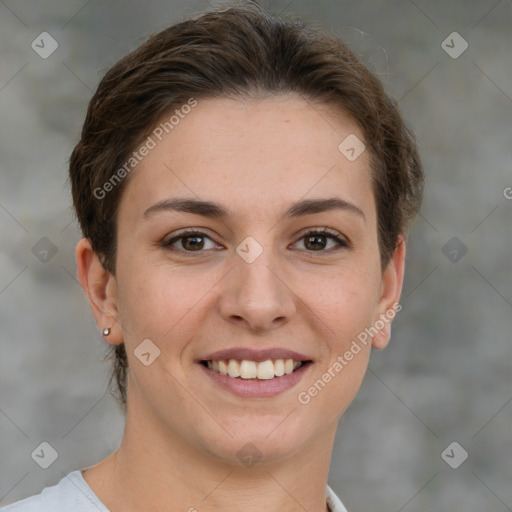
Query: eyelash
{"x":189,"y":233}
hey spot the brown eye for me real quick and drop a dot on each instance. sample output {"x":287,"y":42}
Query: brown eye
{"x":192,"y":242}
{"x":318,"y":240}
{"x":189,"y":241}
{"x":315,"y":242}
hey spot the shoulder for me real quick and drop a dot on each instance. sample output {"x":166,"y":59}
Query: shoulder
{"x":70,"y":493}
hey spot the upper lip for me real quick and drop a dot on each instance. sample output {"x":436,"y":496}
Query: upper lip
{"x":250,"y":354}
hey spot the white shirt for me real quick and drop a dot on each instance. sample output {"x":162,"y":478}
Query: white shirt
{"x":73,"y":494}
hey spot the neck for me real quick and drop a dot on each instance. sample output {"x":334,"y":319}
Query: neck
{"x":152,"y":470}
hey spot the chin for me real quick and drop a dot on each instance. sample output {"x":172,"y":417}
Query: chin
{"x":258,"y":442}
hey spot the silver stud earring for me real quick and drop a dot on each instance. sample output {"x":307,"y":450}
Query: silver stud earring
{"x":106,"y":331}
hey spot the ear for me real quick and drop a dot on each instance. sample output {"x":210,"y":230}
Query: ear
{"x":100,"y":288}
{"x":391,"y":288}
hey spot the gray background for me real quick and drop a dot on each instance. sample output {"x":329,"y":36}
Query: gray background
{"x":446,"y":376}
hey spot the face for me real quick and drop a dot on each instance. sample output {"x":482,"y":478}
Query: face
{"x":281,"y":275}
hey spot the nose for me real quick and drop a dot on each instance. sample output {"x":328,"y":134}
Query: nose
{"x":256,"y":295}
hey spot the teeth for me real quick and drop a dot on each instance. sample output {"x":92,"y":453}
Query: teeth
{"x":223,"y":368}
{"x":266,"y":370}
{"x":288,"y":366}
{"x":248,"y":370}
{"x":233,"y":368}
{"x":279,"y":367}
{"x":263,"y":370}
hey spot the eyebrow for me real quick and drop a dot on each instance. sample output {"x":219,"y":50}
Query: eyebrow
{"x":217,"y":211}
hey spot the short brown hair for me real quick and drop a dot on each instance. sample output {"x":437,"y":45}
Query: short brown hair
{"x":241,"y":51}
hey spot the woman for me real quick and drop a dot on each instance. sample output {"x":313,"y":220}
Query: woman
{"x":244,"y":187}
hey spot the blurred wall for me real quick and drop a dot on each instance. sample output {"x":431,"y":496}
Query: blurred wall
{"x":446,"y":375}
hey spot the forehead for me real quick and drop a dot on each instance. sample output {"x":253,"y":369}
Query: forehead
{"x":254,"y":155}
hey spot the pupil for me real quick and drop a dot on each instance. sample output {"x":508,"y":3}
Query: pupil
{"x":199,"y":244}
{"x":316,"y":237}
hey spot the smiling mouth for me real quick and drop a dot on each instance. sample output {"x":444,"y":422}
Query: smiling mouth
{"x":246,"y":369}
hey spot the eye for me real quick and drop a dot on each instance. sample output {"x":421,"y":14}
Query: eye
{"x":317,"y":240}
{"x":189,"y":241}
{"x":192,"y":240}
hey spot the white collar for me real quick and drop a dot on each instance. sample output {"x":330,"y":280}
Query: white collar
{"x":333,"y":501}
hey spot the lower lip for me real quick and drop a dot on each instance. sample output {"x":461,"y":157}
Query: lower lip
{"x":256,"y":388}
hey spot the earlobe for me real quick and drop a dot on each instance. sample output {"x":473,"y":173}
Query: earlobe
{"x":99,"y":286}
{"x":388,"y":305}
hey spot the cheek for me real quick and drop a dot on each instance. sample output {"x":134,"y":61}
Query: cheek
{"x":346,"y":352}
{"x":344,"y":302}
{"x":344,"y":309}
{"x":161,"y":302}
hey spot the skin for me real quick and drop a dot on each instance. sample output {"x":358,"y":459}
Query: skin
{"x":182,"y":433}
